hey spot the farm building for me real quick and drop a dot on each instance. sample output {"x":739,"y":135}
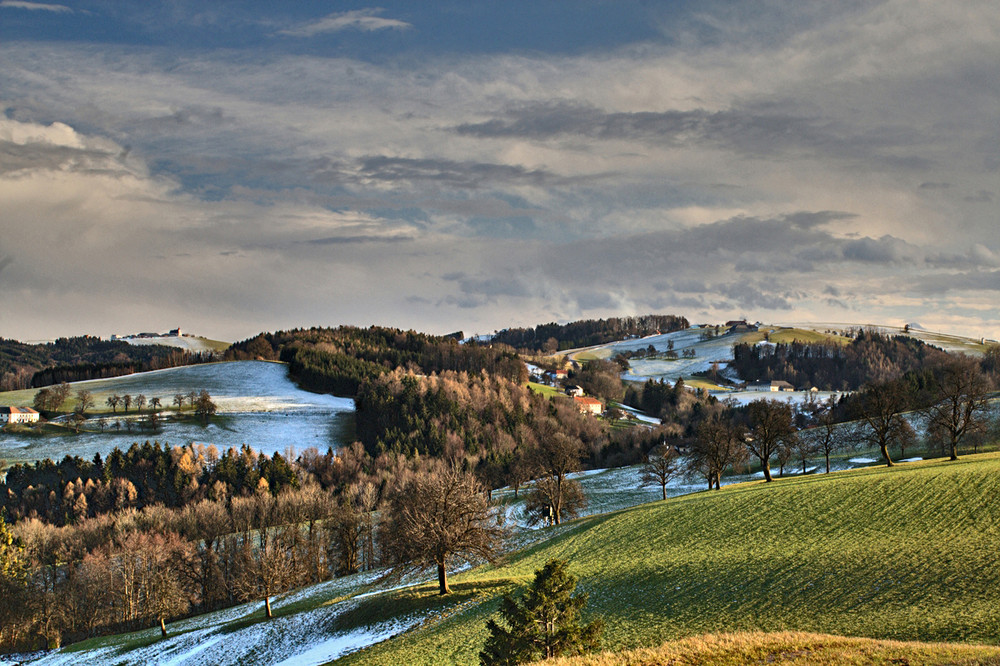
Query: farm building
{"x":18,"y":415}
{"x":589,"y":405}
{"x":777,"y":385}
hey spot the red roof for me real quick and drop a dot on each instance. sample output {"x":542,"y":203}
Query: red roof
{"x":587,"y":400}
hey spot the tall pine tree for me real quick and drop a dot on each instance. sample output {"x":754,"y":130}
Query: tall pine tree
{"x":545,"y":623}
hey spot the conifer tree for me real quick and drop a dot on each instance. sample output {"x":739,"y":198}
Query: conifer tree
{"x":545,"y":623}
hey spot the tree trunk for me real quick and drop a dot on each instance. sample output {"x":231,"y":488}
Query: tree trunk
{"x":827,"y":463}
{"x":443,"y":579}
{"x":954,"y":449}
{"x":664,"y":489}
{"x":885,"y":454}
{"x":163,"y":628}
{"x":767,"y":470}
{"x":267,"y":608}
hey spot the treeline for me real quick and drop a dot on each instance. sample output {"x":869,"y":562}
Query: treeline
{"x":869,"y":357}
{"x":584,"y":333}
{"x":25,"y":366}
{"x":79,"y":372}
{"x":146,"y":474}
{"x":339,"y":360}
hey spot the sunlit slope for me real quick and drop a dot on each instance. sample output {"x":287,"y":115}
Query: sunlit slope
{"x":788,"y":648}
{"x":906,"y":553}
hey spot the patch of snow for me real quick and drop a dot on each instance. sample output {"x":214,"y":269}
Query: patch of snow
{"x":332,"y":648}
{"x":862,"y":461}
{"x":917,"y":459}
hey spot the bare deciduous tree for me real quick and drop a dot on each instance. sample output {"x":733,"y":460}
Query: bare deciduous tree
{"x":881,"y":418}
{"x":961,"y":402}
{"x":660,"y":466}
{"x":771,"y":426}
{"x":718,"y":446}
{"x":438,"y":516}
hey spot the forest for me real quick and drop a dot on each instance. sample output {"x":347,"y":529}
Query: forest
{"x":339,"y":360}
{"x":554,"y":337}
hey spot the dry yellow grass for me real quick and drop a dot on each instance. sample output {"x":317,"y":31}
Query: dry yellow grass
{"x":788,"y":648}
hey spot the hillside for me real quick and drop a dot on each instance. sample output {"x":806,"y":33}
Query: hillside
{"x":790,"y":647}
{"x":905,"y":553}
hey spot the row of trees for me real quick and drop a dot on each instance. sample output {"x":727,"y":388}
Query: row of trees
{"x":52,"y":398}
{"x":953,"y":403}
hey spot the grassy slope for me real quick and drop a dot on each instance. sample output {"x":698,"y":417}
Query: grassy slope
{"x":789,"y":335}
{"x":789,"y":647}
{"x":905,"y":553}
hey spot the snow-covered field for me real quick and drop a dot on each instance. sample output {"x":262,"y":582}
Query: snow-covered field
{"x":258,"y":405}
{"x":182,"y":341}
{"x":794,"y":397}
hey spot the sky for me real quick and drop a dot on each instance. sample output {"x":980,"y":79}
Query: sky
{"x":238,"y":167}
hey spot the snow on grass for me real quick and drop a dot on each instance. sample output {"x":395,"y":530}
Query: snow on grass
{"x":353,"y":641}
{"x":183,"y":342}
{"x":303,"y":637}
{"x":917,"y":459}
{"x":258,"y":405}
{"x":862,"y":461}
{"x":793,"y":397}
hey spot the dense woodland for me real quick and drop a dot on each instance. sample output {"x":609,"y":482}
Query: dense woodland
{"x":584,"y":333}
{"x":339,"y":360}
{"x":870,"y":356}
{"x":25,"y":366}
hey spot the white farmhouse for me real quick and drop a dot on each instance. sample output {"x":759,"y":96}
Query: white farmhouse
{"x":18,"y":415}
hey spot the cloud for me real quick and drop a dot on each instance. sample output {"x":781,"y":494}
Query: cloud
{"x":34,"y":6}
{"x":366,"y":20}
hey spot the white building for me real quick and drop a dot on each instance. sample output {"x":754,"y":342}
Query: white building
{"x":18,"y":415}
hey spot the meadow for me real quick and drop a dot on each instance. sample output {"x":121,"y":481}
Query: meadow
{"x":905,"y":553}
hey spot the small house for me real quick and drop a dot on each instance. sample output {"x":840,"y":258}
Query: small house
{"x":589,"y":405}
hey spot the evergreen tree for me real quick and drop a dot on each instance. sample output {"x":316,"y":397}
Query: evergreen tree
{"x":545,"y":623}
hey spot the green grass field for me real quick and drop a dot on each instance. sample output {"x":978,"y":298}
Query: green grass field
{"x":787,"y":648}
{"x":788,"y":335}
{"x":546,"y":390}
{"x":906,"y":553}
